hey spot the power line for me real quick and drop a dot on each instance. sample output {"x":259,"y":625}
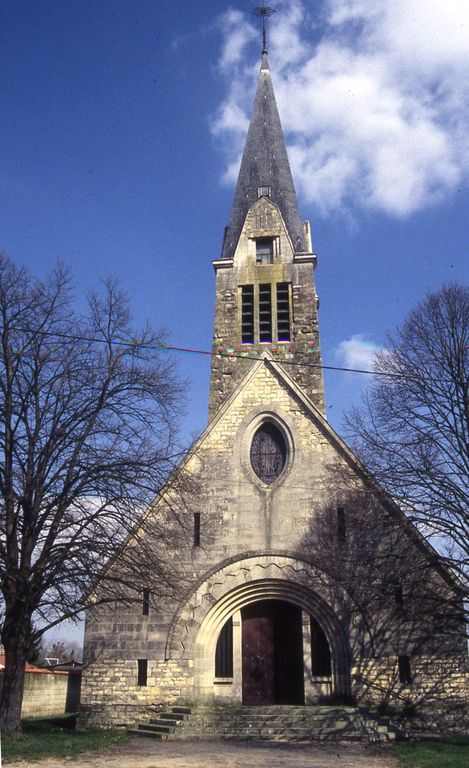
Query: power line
{"x":218,"y":353}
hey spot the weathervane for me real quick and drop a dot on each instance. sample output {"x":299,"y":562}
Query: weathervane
{"x":263,"y":12}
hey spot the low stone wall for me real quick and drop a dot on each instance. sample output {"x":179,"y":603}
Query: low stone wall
{"x":45,"y":693}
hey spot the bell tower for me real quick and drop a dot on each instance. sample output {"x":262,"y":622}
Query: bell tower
{"x":265,"y":292}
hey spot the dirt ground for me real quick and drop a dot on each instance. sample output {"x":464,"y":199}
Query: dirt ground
{"x":146,"y":753}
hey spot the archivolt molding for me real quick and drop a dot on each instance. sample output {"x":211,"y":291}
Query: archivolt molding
{"x":245,"y":581}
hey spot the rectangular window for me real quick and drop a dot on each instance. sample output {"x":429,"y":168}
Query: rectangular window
{"x":196,"y":529}
{"x":224,"y":651}
{"x":247,"y":314}
{"x":263,"y":191}
{"x":283,"y":312}
{"x":146,"y":602}
{"x":142,"y":675}
{"x":341,"y":526}
{"x":265,"y":251}
{"x":265,"y":312}
{"x":405,"y":672}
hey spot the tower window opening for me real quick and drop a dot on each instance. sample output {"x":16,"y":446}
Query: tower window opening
{"x":405,"y":672}
{"x":265,"y":250}
{"x":283,"y":312}
{"x":265,"y":312}
{"x":247,"y":314}
{"x":263,"y":191}
{"x":268,"y":453}
{"x":224,"y":651}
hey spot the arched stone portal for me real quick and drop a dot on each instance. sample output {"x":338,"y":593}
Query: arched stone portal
{"x":229,"y":592}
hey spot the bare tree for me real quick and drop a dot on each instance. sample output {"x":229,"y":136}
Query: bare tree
{"x":400,"y":607}
{"x":412,"y":430}
{"x":87,"y":436}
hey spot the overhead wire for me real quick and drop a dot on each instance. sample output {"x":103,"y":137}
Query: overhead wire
{"x":228,"y":355}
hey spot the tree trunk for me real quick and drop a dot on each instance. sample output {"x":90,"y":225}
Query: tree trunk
{"x":11,"y":696}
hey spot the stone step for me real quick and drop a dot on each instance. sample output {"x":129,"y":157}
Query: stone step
{"x":164,"y":720}
{"x":313,"y":724}
{"x":143,"y":732}
{"x":156,"y":728}
{"x":171,"y":716}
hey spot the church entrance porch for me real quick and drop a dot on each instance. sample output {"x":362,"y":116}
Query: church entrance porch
{"x":272,"y":653}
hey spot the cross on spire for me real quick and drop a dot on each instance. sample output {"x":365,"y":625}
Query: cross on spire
{"x":263,"y":12}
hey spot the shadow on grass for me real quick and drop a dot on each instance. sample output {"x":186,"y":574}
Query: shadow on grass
{"x":450,"y":752}
{"x":56,"y":737}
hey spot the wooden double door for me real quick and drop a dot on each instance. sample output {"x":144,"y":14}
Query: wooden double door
{"x":272,"y":652}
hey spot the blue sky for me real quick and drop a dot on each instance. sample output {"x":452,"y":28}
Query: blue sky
{"x":121,"y":127}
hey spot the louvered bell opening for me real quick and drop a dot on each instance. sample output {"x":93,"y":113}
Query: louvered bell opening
{"x":247,"y":314}
{"x":265,"y":312}
{"x":283,"y":312}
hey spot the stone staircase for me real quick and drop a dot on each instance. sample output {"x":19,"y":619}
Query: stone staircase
{"x":274,"y":723}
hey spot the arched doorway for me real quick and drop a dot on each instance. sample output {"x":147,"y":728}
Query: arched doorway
{"x":211,"y":620}
{"x":272,"y":653}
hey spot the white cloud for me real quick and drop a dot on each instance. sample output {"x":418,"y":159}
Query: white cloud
{"x":357,"y":352}
{"x":237,"y":34}
{"x":375,"y":113}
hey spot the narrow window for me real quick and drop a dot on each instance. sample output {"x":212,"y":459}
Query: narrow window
{"x":265,"y":312}
{"x":142,"y":675}
{"x":265,"y":250}
{"x":341,"y":527}
{"x":146,"y":602}
{"x":405,"y":673}
{"x":320,"y":653}
{"x":398,"y":593}
{"x":247,"y":314}
{"x":263,"y":191}
{"x":283,"y":312}
{"x":196,"y":529}
{"x":268,"y":453}
{"x":224,"y":651}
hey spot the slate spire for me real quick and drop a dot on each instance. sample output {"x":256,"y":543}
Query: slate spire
{"x":264,"y":164}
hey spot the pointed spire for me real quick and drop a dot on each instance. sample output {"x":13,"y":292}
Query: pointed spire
{"x":264,"y":164}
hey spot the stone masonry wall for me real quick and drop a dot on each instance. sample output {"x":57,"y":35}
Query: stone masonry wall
{"x":238,"y":515}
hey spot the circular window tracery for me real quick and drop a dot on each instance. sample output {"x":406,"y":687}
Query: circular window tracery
{"x":268,"y":453}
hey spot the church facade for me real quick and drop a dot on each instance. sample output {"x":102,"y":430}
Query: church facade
{"x":301,"y":581}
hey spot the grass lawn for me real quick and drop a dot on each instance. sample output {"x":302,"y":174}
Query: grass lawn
{"x":53,"y":737}
{"x":452,"y":752}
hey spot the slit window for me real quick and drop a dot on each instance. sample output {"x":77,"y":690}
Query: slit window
{"x":247,"y":314}
{"x":196,"y":529}
{"x":142,"y":671}
{"x":265,"y":312}
{"x":265,"y":250}
{"x":320,"y":652}
{"x":283,"y":312}
{"x":224,"y":651}
{"x":405,"y":672}
{"x":341,"y":525}
{"x":398,"y":594}
{"x":146,"y":602}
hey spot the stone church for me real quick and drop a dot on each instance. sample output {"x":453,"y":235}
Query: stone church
{"x":302,"y":582}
